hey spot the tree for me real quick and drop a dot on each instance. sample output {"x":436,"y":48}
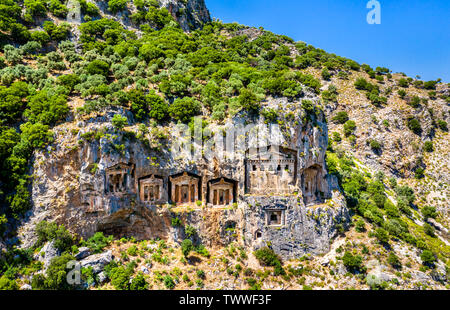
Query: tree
{"x":184,"y":109}
{"x":139,"y":104}
{"x":119,"y":121}
{"x":46,"y":109}
{"x":57,"y":8}
{"x":150,"y":52}
{"x":98,"y":67}
{"x":20,"y":202}
{"x":35,"y":135}
{"x":248,"y":100}
{"x":56,"y":278}
{"x":159,"y":109}
{"x":117,"y":5}
{"x":186,"y":247}
{"x":352,"y":262}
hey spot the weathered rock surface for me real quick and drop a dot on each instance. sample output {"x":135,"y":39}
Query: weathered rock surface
{"x":93,"y":187}
{"x":83,"y":252}
{"x":47,"y":253}
{"x":190,"y":14}
{"x":97,"y":261}
{"x":26,"y":287}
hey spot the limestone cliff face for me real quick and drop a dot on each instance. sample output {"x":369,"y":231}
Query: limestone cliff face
{"x":263,"y":194}
{"x":190,"y":14}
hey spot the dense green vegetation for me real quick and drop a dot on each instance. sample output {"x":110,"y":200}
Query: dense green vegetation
{"x":366,"y":197}
{"x":198,"y":73}
{"x":168,"y":75}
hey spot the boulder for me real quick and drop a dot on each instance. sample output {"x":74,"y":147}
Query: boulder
{"x":146,"y":269}
{"x":26,"y":287}
{"x":97,"y":261}
{"x":102,"y":277}
{"x":47,"y":253}
{"x":83,"y":252}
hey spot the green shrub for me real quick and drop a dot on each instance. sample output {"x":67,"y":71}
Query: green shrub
{"x":98,"y":67}
{"x":375,"y":145}
{"x":337,"y":137}
{"x":340,"y":117}
{"x":186,"y":247}
{"x":382,"y":235}
{"x":429,"y":212}
{"x":132,"y":250}
{"x":47,"y":232}
{"x":326,"y":75}
{"x":391,"y":209}
{"x":248,"y":100}
{"x":159,"y":109}
{"x":360,"y":225}
{"x":138,"y":283}
{"x":117,"y":5}
{"x":190,"y":231}
{"x":419,"y":173}
{"x":352,"y":262}
{"x":428,"y":146}
{"x":120,"y":278}
{"x":200,"y":274}
{"x":98,"y":242}
{"x":430,"y":85}
{"x":8,"y":284}
{"x":414,"y":126}
{"x":169,"y":283}
{"x":119,"y":121}
{"x":349,"y":128}
{"x":427,"y":257}
{"x":402,"y":93}
{"x":414,"y":102}
{"x":442,"y":125}
{"x":428,"y":229}
{"x":176,"y":222}
{"x":403,"y":83}
{"x":393,"y":260}
{"x":56,"y":278}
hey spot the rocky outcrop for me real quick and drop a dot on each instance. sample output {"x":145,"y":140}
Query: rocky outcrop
{"x":292,"y":203}
{"x":190,"y":14}
{"x":97,"y":261}
{"x":47,"y":253}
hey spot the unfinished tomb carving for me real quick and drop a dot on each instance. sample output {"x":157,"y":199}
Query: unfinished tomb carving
{"x":312,"y":184}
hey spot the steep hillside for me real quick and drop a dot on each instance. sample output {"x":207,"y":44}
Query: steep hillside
{"x":216,"y":156}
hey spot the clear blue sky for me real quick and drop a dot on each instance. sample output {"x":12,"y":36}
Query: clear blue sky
{"x":414,"y":35}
